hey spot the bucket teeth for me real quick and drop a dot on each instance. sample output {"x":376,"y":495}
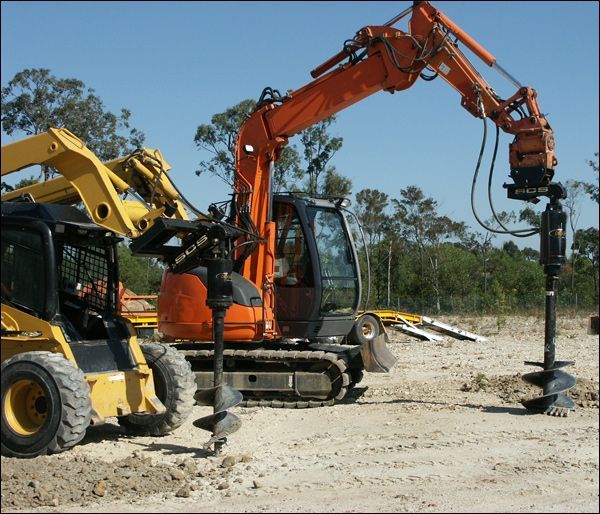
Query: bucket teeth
{"x":220,"y":423}
{"x":554,"y":382}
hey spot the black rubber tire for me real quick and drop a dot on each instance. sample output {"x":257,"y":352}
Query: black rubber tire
{"x":67,"y":404}
{"x":364,"y":330}
{"x":175,"y":386}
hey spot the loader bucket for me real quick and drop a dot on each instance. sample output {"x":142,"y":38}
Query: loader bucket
{"x":375,"y":354}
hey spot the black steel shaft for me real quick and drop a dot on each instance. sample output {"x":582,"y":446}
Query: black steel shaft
{"x":218,"y":323}
{"x":550,"y":326}
{"x":552,"y":379}
{"x":219,"y":297}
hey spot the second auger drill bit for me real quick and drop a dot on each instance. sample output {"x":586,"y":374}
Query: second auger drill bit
{"x":222,"y":397}
{"x":552,"y":379}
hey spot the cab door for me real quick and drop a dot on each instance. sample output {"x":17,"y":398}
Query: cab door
{"x":295,"y":285}
{"x":316,"y":270}
{"x":28,"y":276}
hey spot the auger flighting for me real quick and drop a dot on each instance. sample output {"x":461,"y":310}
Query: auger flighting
{"x":222,"y":397}
{"x":551,"y":379}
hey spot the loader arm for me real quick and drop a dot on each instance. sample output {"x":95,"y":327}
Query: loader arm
{"x":380,"y":58}
{"x":84,"y":178}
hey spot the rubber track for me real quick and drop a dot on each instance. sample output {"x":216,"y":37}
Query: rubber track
{"x":289,"y":356}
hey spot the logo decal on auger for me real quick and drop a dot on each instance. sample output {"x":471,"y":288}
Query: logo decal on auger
{"x":190,"y":250}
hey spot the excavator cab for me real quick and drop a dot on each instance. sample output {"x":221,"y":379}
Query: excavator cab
{"x":316,"y":279}
{"x":317,"y":276}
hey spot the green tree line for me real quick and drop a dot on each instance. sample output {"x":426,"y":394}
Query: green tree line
{"x":426,"y":262}
{"x":420,"y":259}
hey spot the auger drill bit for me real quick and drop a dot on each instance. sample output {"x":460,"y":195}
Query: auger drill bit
{"x":552,"y":379}
{"x":222,"y":397}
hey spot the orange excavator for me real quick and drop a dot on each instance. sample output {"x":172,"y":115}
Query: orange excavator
{"x":257,"y":289}
{"x":294,"y":271}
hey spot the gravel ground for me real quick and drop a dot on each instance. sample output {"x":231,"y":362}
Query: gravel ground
{"x":443,"y":431}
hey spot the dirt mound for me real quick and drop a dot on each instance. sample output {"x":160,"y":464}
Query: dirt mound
{"x":51,"y":481}
{"x":512,"y":389}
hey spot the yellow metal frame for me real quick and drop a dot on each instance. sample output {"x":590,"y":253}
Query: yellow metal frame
{"x":98,"y":185}
{"x":391,"y":316}
{"x":139,"y":318}
{"x":114,"y":393}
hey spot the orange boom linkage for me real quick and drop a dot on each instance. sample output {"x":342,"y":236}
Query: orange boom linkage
{"x":379,"y":58}
{"x":393,"y":62}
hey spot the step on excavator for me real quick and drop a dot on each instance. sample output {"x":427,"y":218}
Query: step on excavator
{"x":255,"y":286}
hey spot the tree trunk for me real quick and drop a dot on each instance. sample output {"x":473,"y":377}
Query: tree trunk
{"x":484,"y":274}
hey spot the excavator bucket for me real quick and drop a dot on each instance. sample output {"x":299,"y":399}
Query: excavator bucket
{"x":375,"y":354}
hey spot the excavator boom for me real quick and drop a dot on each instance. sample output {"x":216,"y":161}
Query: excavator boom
{"x":381,"y":58}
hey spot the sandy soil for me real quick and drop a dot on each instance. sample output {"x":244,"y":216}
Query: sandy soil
{"x":444,"y":431}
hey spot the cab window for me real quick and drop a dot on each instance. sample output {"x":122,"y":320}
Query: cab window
{"x":292,"y":260}
{"x":23,"y":278}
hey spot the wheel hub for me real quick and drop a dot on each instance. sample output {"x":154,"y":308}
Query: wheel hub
{"x":368,"y":331}
{"x":25,"y":407}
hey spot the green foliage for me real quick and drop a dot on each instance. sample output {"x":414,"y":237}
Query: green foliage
{"x":586,"y":267}
{"x":35,"y":100}
{"x":142,"y":275}
{"x":422,"y":261}
{"x":219,"y":137}
{"x":530,"y":216}
{"x":26,"y":182}
{"x":287,"y":170}
{"x":417,"y":218}
{"x":592,"y":188}
{"x":370,"y":210}
{"x":319,"y":149}
{"x":21,"y":183}
{"x":335,"y":184}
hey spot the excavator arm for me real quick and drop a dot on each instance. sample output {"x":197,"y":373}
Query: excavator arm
{"x":382,"y":58}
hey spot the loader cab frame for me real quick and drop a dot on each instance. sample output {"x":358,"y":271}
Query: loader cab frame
{"x":28,"y":267}
{"x":63,"y":268}
{"x":317,"y":275}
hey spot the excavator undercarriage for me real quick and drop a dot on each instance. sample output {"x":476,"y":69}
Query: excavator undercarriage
{"x":290,"y":374}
